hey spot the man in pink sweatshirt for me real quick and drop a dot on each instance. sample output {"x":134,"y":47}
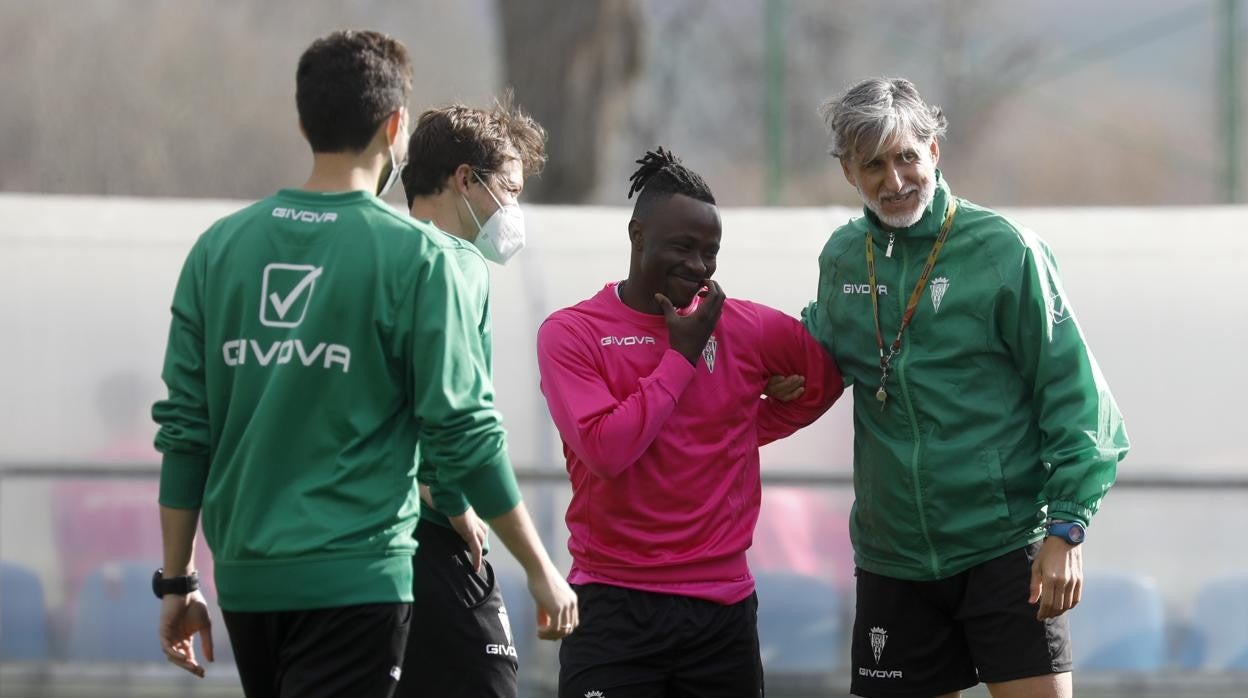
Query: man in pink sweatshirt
{"x":655,"y":385}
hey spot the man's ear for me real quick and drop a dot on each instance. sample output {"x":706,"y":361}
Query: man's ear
{"x":935,"y":151}
{"x":636,"y":235}
{"x":393,"y":126}
{"x":462,"y":178}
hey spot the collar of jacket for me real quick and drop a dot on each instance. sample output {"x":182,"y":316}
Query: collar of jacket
{"x":928,"y":226}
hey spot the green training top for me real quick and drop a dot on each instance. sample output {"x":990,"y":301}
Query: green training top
{"x":316,"y":338}
{"x":997,"y":416}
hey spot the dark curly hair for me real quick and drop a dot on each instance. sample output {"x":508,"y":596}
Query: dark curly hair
{"x":662,"y":175}
{"x":347,"y":83}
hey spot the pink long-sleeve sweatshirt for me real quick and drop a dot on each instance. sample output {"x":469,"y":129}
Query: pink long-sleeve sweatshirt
{"x":662,"y":454}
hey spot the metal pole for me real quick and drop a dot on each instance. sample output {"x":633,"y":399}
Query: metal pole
{"x":775,"y":116}
{"x":1232,"y":97}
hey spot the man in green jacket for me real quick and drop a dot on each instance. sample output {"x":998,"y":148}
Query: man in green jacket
{"x":465,"y":171}
{"x":985,"y":436}
{"x":319,"y":336}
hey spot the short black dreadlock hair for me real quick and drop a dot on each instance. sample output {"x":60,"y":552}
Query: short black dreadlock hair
{"x":661,"y":174}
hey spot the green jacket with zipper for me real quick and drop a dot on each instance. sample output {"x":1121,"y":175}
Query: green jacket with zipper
{"x":997,"y":414}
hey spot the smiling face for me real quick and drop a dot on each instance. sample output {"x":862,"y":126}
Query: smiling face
{"x":675,"y":245}
{"x":898,"y":183}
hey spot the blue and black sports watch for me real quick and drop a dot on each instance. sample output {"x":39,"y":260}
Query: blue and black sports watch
{"x":1069,"y":531}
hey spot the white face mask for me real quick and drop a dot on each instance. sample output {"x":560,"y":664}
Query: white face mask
{"x":387,"y":179}
{"x":502,"y":236}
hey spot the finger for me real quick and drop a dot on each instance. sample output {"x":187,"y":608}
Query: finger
{"x":182,"y":657}
{"x":477,"y":554}
{"x":1034,"y":593}
{"x":1068,"y":598}
{"x":669,"y":311}
{"x":714,"y":288}
{"x":1050,"y":597}
{"x":546,"y":629}
{"x":205,"y":639}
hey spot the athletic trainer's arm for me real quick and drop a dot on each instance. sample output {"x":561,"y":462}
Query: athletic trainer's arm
{"x":183,"y":440}
{"x":788,"y":349}
{"x":1082,"y":432}
{"x":608,"y":435}
{"x":183,"y":437}
{"x":462,"y":434}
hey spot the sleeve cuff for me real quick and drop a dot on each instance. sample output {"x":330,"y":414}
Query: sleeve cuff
{"x":1070,"y":511}
{"x":674,"y":373}
{"x":448,"y":502}
{"x":492,"y":490}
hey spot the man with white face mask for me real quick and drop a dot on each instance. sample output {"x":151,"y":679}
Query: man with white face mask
{"x":466,"y":170}
{"x":985,"y":436}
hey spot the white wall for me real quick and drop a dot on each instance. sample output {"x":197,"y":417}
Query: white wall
{"x":85,"y":285}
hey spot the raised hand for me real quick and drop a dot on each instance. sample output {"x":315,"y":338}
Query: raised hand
{"x":688,"y":333}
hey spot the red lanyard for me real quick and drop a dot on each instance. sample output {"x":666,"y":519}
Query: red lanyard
{"x":887,"y":359}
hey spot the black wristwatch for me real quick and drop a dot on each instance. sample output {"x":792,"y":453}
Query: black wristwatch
{"x":174,"y":585}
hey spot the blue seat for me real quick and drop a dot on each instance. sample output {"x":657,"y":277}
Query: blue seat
{"x":801,"y":623}
{"x":115,"y":616}
{"x":1119,"y":625}
{"x":1219,"y":632}
{"x":23,"y":614}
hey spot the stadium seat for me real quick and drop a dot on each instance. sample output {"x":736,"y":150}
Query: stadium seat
{"x":1119,"y":625}
{"x":23,"y":614}
{"x":1218,"y":638}
{"x":115,"y":616}
{"x":801,"y":623}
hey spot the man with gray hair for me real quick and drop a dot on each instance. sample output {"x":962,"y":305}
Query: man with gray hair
{"x":985,"y":436}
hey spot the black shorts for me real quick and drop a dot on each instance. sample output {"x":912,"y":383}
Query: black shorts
{"x":461,"y":642}
{"x":343,"y":651}
{"x":928,"y":638}
{"x":638,"y":644}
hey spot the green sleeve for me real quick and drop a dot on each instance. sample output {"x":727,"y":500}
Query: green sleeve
{"x":183,"y":438}
{"x":1082,"y":433}
{"x":816,"y":315}
{"x":462,"y":437}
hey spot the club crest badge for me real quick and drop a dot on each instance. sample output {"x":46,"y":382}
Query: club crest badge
{"x":939,"y":285}
{"x":879,"y":637}
{"x":708,"y":353}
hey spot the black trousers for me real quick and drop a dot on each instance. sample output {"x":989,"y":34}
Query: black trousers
{"x":343,"y":651}
{"x":639,"y":644}
{"x":461,"y":645}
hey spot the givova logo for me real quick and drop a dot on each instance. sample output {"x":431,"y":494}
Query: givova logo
{"x":285,"y":294}
{"x":282,"y":287}
{"x":295,"y":214}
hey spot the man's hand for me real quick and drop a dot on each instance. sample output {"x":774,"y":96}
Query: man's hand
{"x":473,"y":530}
{"x":688,"y":334}
{"x":1056,"y":577}
{"x":557,"y":614}
{"x":785,"y":388}
{"x":180,"y":618}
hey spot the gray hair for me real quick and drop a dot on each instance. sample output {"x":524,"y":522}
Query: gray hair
{"x":875,"y":111}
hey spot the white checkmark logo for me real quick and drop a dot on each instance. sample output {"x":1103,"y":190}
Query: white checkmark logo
{"x":281,"y":306}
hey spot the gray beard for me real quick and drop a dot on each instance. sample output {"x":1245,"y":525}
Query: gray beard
{"x":926,"y":194}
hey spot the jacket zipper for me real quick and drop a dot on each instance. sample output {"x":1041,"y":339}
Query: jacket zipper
{"x":914,"y":428}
